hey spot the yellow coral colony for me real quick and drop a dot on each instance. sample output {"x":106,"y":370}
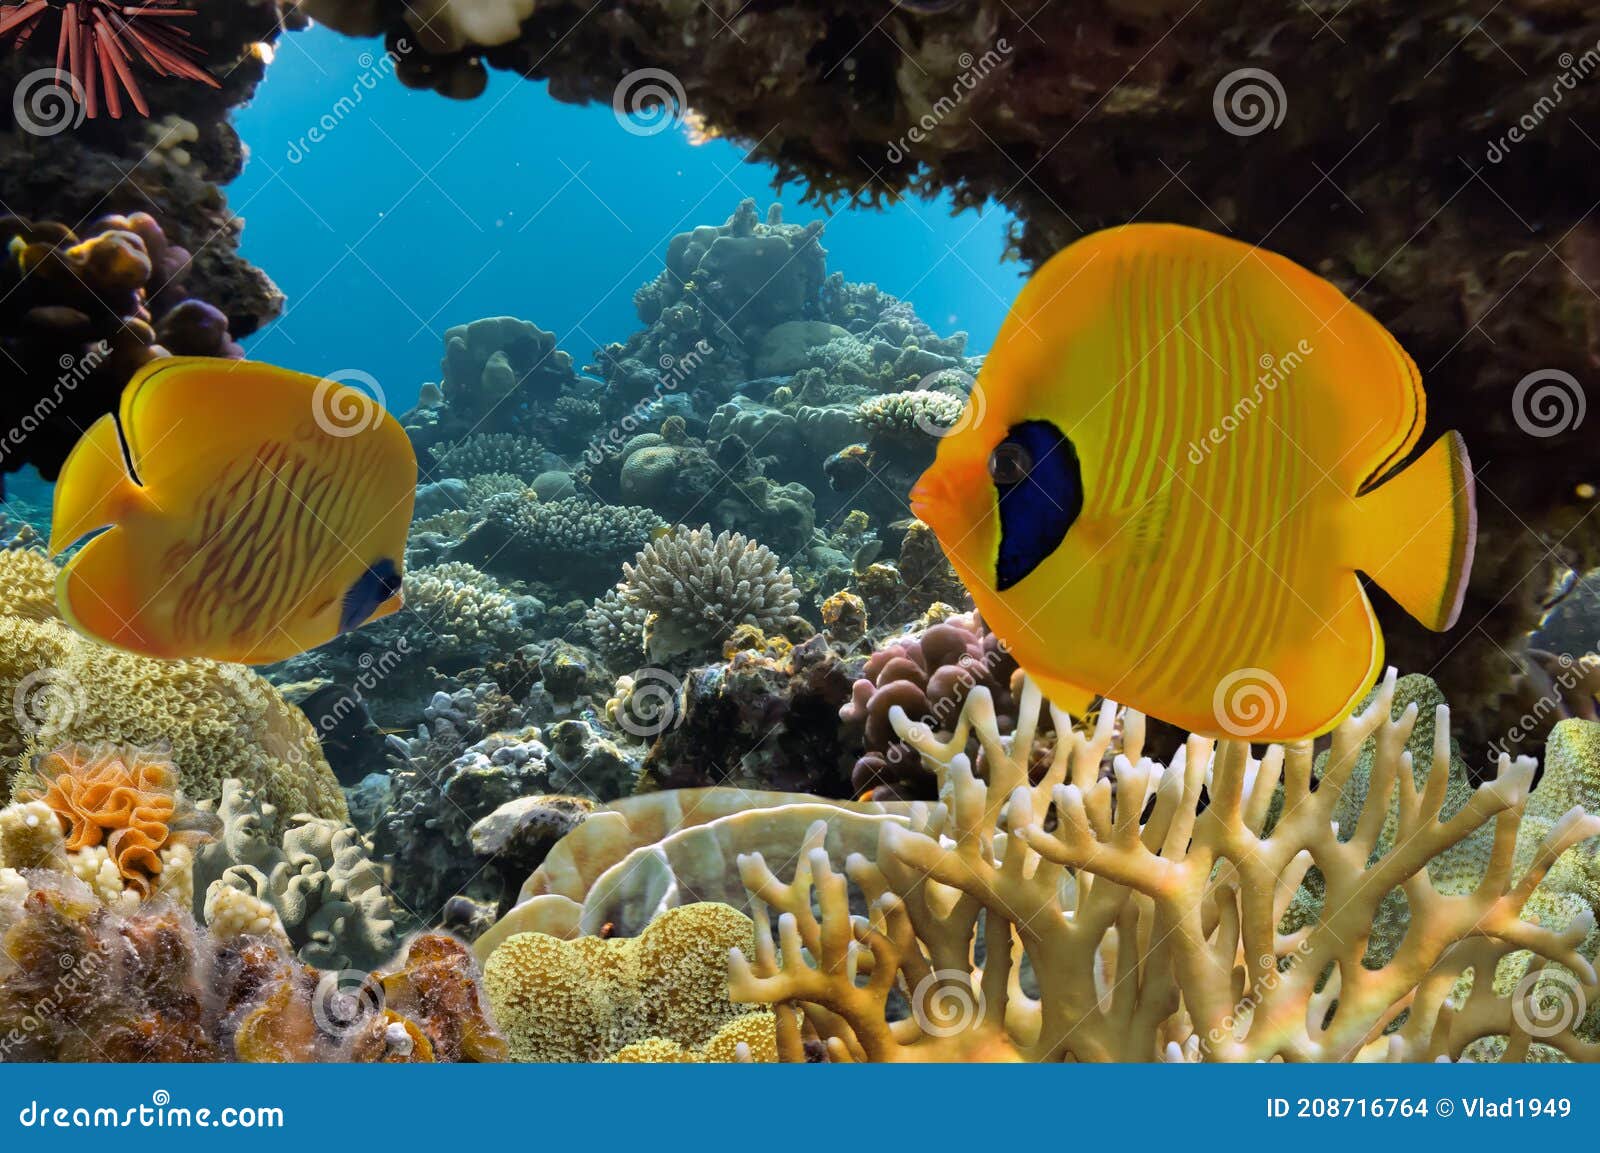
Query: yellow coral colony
{"x":1162,"y":936}
{"x":660,"y":996}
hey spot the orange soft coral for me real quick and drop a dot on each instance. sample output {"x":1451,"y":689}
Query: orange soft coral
{"x":121,"y":796}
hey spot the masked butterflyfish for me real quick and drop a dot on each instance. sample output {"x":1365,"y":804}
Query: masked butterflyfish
{"x":1176,"y":459}
{"x":250,"y":513}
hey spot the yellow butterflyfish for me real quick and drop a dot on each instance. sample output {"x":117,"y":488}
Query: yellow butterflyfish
{"x":1175,"y":461}
{"x":253,"y":513}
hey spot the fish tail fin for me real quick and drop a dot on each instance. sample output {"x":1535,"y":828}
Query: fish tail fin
{"x":1416,"y":533}
{"x":94,"y":487}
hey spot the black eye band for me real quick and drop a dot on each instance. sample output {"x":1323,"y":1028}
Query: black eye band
{"x":1040,"y":485}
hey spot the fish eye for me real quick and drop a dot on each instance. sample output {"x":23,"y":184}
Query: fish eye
{"x":1010,"y":463}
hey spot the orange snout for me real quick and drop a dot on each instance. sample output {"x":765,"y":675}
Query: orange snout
{"x":956,"y":499}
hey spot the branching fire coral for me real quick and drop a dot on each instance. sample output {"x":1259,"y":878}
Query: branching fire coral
{"x":1138,"y":916}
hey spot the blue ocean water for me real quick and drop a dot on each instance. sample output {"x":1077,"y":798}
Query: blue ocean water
{"x":388,"y":215}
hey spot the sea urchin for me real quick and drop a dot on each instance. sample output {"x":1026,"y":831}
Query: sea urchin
{"x":98,"y":40}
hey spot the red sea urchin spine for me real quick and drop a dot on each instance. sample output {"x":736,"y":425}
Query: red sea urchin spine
{"x":98,"y":40}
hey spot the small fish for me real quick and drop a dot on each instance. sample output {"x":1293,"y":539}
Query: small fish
{"x":250,"y":517}
{"x":1179,"y":455}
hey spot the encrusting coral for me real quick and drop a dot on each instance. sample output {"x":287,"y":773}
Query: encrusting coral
{"x":660,"y":996}
{"x":1151,"y":926}
{"x":697,"y":586}
{"x":216,"y":720}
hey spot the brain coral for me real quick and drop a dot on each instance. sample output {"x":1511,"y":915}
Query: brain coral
{"x":591,"y":999}
{"x":219,"y":720}
{"x":697,"y":587}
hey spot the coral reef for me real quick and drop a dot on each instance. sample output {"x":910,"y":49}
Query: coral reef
{"x":928,"y":675}
{"x":697,"y":586}
{"x":312,"y":873}
{"x":217,"y":720}
{"x":79,"y":315}
{"x":1152,"y":930}
{"x":574,"y":545}
{"x":662,"y":993}
{"x":491,"y":452}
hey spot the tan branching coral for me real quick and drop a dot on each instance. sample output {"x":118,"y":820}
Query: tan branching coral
{"x":697,"y":586}
{"x":492,"y":452}
{"x":1151,"y":924}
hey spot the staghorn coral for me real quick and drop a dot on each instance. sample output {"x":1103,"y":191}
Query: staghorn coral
{"x":590,"y":999}
{"x":218,"y":720}
{"x":315,"y":873}
{"x":915,"y":413}
{"x":696,"y":587}
{"x":572,"y":544}
{"x":491,"y":452}
{"x":1153,"y":929}
{"x":615,"y":627}
{"x":929,"y":675}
